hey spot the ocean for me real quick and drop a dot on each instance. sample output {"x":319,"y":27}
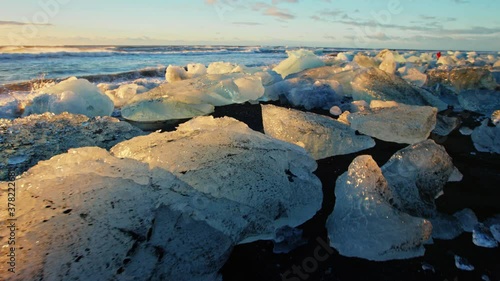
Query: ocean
{"x":21,"y":64}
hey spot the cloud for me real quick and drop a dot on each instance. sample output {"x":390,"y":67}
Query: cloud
{"x":247,"y":23}
{"x":281,"y":14}
{"x":275,"y":2}
{"x":18,"y":23}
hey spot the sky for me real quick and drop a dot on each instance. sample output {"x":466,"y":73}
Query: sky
{"x":396,"y":24}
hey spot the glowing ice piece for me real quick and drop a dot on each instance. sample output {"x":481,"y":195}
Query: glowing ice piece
{"x":365,"y":225}
{"x":77,"y":96}
{"x":297,"y":61}
{"x":321,"y":136}
{"x":401,"y":124}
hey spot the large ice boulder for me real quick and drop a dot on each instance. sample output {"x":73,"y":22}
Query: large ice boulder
{"x":417,"y":175}
{"x":297,"y":61}
{"x":217,"y":90}
{"x":77,"y":96}
{"x":468,"y":78}
{"x":118,"y":219}
{"x":375,"y":84}
{"x":486,"y":138}
{"x":481,"y":101}
{"x":364,"y":224}
{"x":321,"y":136}
{"x":401,"y":124}
{"x":25,"y":141}
{"x":225,"y":159}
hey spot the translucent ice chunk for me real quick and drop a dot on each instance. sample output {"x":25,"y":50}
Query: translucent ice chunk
{"x":482,"y":237}
{"x":402,"y":124}
{"x":467,"y":218}
{"x":321,"y":136}
{"x":375,"y":84}
{"x":297,"y":61}
{"x":481,"y":101}
{"x":463,"y":264}
{"x":124,"y":93}
{"x":77,"y":96}
{"x":486,"y":138}
{"x":365,"y":225}
{"x":417,"y":175}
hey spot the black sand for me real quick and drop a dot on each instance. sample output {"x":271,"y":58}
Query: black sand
{"x":479,"y":190}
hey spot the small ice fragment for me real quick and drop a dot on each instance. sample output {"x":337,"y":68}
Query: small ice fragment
{"x":287,"y":239}
{"x":456,"y":176}
{"x":482,"y":237}
{"x":335,"y":111}
{"x":467,"y":219}
{"x":463,"y":264}
{"x":466,"y":131}
{"x":428,"y":267}
{"x":495,"y":231}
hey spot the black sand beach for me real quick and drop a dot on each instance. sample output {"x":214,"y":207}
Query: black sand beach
{"x":478,"y":191}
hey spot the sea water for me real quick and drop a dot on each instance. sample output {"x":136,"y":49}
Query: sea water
{"x":19,"y":64}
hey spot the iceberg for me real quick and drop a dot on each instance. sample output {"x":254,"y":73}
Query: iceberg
{"x":228,"y":185}
{"x":486,"y":138}
{"x":480,"y":101}
{"x":467,"y":218}
{"x":445,"y":227}
{"x":163,"y":110}
{"x":307,"y":93}
{"x":468,"y":78}
{"x":414,"y":76}
{"x":122,"y":220}
{"x":445,"y":125}
{"x":375,"y":84}
{"x":389,"y":64}
{"x":297,"y":61}
{"x":216,"y":90}
{"x":482,"y":237}
{"x":177,"y":73}
{"x":124,"y":93}
{"x":223,"y":158}
{"x":463,"y":264}
{"x":28,"y":140}
{"x":364,"y":61}
{"x":321,"y":136}
{"x":222,"y":68}
{"x":417,"y":175}
{"x":364,"y":224}
{"x":77,"y":96}
{"x":401,"y":124}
